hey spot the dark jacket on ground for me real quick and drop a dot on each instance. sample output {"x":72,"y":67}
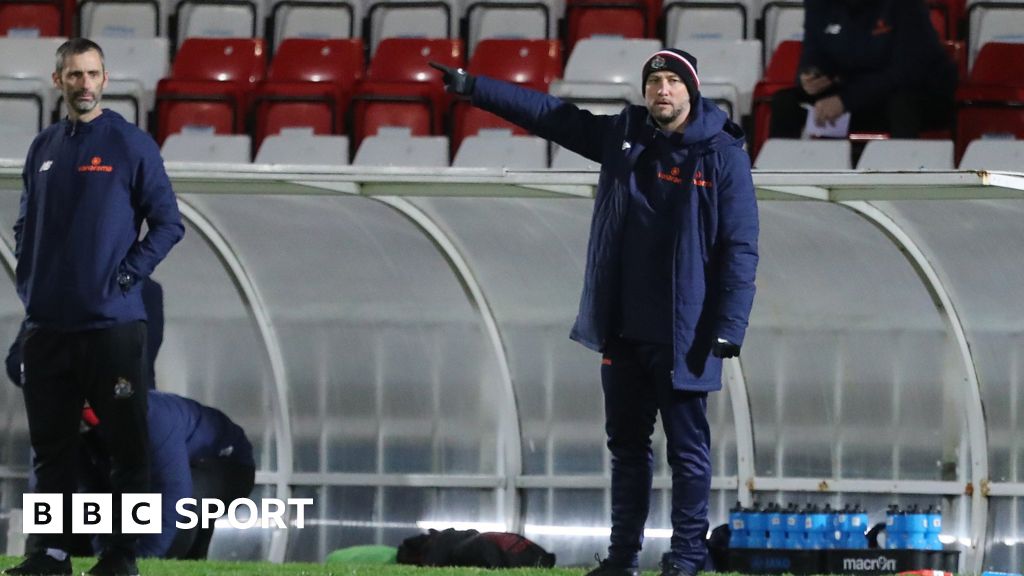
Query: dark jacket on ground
{"x":88,"y":188}
{"x":876,"y":48}
{"x":716,"y":219}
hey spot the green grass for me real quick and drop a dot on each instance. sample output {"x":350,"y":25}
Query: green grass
{"x":193,"y":568}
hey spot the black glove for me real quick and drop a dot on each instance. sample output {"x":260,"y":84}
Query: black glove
{"x":725,"y":349}
{"x":125,"y":279}
{"x":456,"y":80}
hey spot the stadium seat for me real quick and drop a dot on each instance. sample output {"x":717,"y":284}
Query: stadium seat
{"x":205,"y":146}
{"x":214,"y":19}
{"x":994,"y":154}
{"x":399,"y":147}
{"x":729,"y":70}
{"x":32,"y":18}
{"x":135,"y":65}
{"x":781,"y":21}
{"x":15,"y":141}
{"x":779,"y":75}
{"x":532,"y":63}
{"x":946,"y":16}
{"x":405,"y":19}
{"x":26,"y":85}
{"x":687,"y":20}
{"x":302,"y":146}
{"x":907,"y":155}
{"x":309,"y":84}
{"x":209,"y":85}
{"x":311,"y":19}
{"x":783,"y":154}
{"x":602,"y":74}
{"x":993,"y":22}
{"x":588,"y":18}
{"x":119,"y":18}
{"x":501,"y":149}
{"x":565,"y":159}
{"x":991,"y":102}
{"x":401,"y":89}
{"x":523,"y":19}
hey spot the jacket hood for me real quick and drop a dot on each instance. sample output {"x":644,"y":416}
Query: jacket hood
{"x":709,"y":123}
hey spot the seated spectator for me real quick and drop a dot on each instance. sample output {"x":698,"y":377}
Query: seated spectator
{"x":879,"y":60}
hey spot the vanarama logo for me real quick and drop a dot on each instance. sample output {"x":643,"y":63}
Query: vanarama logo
{"x":698,"y":180}
{"x":96,"y":165}
{"x":672,"y":176}
{"x":880,"y":564}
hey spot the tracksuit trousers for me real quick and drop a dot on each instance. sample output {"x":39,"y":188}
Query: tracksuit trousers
{"x":61,"y":371}
{"x":637,"y":383}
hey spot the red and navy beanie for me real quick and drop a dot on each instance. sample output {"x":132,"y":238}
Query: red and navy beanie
{"x":682,"y":63}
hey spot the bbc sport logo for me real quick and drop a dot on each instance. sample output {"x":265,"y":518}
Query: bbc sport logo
{"x":142,"y":513}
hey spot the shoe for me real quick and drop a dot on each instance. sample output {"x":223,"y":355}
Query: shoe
{"x":669,"y":568}
{"x":114,"y":564}
{"x":606,"y":568}
{"x":41,"y":564}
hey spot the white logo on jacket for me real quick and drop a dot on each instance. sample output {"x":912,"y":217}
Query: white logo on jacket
{"x":46,"y":166}
{"x":833,"y":29}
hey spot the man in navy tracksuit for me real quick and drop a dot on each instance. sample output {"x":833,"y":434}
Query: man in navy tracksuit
{"x":90,"y":181}
{"x":669,"y":281}
{"x":195,"y":452}
{"x":880,"y":60}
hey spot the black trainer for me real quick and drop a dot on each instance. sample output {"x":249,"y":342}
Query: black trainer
{"x":114,"y":564}
{"x":669,"y":568}
{"x":606,"y":568}
{"x":41,"y":564}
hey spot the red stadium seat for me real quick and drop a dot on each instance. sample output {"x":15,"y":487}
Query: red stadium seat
{"x":991,"y":102}
{"x":31,"y":18}
{"x":780,"y":74}
{"x":468,"y":120}
{"x":947,"y":13}
{"x":210,"y":84}
{"x":401,"y":89}
{"x":532,"y":63}
{"x":309,"y":84}
{"x":586,"y":18}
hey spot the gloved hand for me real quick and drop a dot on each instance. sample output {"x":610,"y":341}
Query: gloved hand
{"x":125,"y":279}
{"x":456,"y":80}
{"x":722,"y":348}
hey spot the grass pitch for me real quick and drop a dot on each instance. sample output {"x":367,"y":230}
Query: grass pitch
{"x":210,"y":568}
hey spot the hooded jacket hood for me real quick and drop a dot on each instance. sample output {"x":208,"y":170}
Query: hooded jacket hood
{"x":710,"y":123}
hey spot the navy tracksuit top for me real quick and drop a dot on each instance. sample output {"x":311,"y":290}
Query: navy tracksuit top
{"x":87,"y":189}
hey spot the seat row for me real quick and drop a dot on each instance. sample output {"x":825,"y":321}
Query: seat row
{"x":825,"y":155}
{"x":324,"y":84}
{"x":496,"y":148}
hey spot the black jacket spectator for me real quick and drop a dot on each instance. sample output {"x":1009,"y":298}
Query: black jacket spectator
{"x":881,"y":58}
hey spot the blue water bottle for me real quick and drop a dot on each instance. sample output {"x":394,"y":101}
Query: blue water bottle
{"x":795,"y":533}
{"x":934,"y":515}
{"x":815,"y":523}
{"x":917,"y":528}
{"x":895,"y":528}
{"x":855,"y":536}
{"x":737,"y":527}
{"x":776,"y":526}
{"x":757,"y":528}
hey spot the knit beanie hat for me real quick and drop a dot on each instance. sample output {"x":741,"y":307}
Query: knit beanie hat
{"x":678,"y":61}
